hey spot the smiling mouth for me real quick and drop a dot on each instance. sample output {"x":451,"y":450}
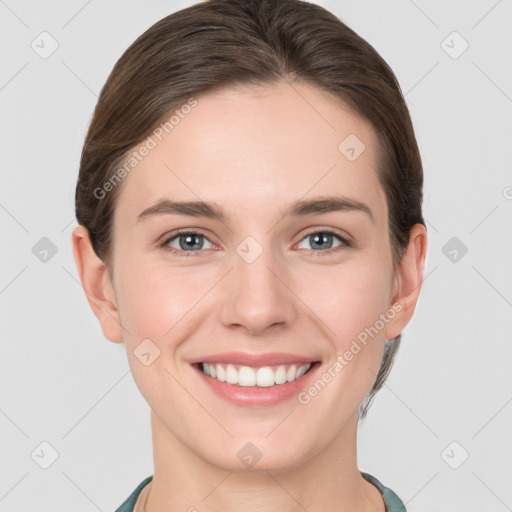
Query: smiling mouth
{"x":263,"y":376}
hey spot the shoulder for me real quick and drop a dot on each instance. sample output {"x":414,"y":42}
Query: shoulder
{"x":128,"y":505}
{"x":392,"y":501}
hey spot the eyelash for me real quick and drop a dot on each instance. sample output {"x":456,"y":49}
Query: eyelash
{"x":177,"y":252}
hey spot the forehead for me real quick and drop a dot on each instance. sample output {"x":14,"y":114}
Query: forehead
{"x":254,"y":148}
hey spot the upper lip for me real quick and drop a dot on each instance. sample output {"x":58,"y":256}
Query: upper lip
{"x":248,"y":359}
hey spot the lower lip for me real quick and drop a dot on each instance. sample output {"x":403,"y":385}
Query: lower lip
{"x":253,"y":396}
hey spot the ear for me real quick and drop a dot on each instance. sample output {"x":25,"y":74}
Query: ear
{"x":407,"y":281}
{"x":96,"y":284}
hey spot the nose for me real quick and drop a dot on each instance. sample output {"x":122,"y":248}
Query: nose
{"x":258,"y":296}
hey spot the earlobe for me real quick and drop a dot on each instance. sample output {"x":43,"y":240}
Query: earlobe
{"x":96,"y":284}
{"x":409,"y":277}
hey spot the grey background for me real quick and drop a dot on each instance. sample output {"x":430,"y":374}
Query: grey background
{"x":62,"y":383}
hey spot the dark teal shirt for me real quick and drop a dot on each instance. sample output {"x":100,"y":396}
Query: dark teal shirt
{"x":392,"y":501}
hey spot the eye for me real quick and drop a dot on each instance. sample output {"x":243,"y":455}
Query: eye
{"x":190,"y":243}
{"x":186,"y":242}
{"x":324,"y":240}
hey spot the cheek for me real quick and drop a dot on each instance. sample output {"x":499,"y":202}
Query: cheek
{"x":155,"y":298}
{"x":156,"y":306}
{"x":350,"y":303}
{"x":349,"y":299}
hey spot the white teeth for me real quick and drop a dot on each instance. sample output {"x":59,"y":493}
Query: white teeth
{"x":246,"y":376}
{"x":280,"y":375}
{"x":231,"y":374}
{"x":300,"y":372}
{"x":265,"y":377}
{"x":221,"y":374}
{"x":261,"y":377}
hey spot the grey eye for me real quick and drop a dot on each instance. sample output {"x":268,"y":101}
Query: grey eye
{"x":189,"y":242}
{"x":321,"y":240}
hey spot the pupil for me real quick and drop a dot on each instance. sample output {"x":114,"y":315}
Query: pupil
{"x":321,"y":240}
{"x":190,"y":241}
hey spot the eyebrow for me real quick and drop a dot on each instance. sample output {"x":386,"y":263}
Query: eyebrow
{"x":314,"y":206}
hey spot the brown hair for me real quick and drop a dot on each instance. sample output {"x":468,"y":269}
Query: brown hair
{"x":220,"y":43}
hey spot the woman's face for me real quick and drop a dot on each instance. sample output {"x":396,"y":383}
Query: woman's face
{"x":261,"y":281}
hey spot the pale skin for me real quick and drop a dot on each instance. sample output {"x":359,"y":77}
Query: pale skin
{"x":254,"y":151}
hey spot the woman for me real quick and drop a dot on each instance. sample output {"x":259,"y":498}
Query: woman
{"x":250,"y":227}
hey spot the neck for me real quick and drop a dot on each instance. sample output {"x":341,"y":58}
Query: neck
{"x":328,"y":481}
